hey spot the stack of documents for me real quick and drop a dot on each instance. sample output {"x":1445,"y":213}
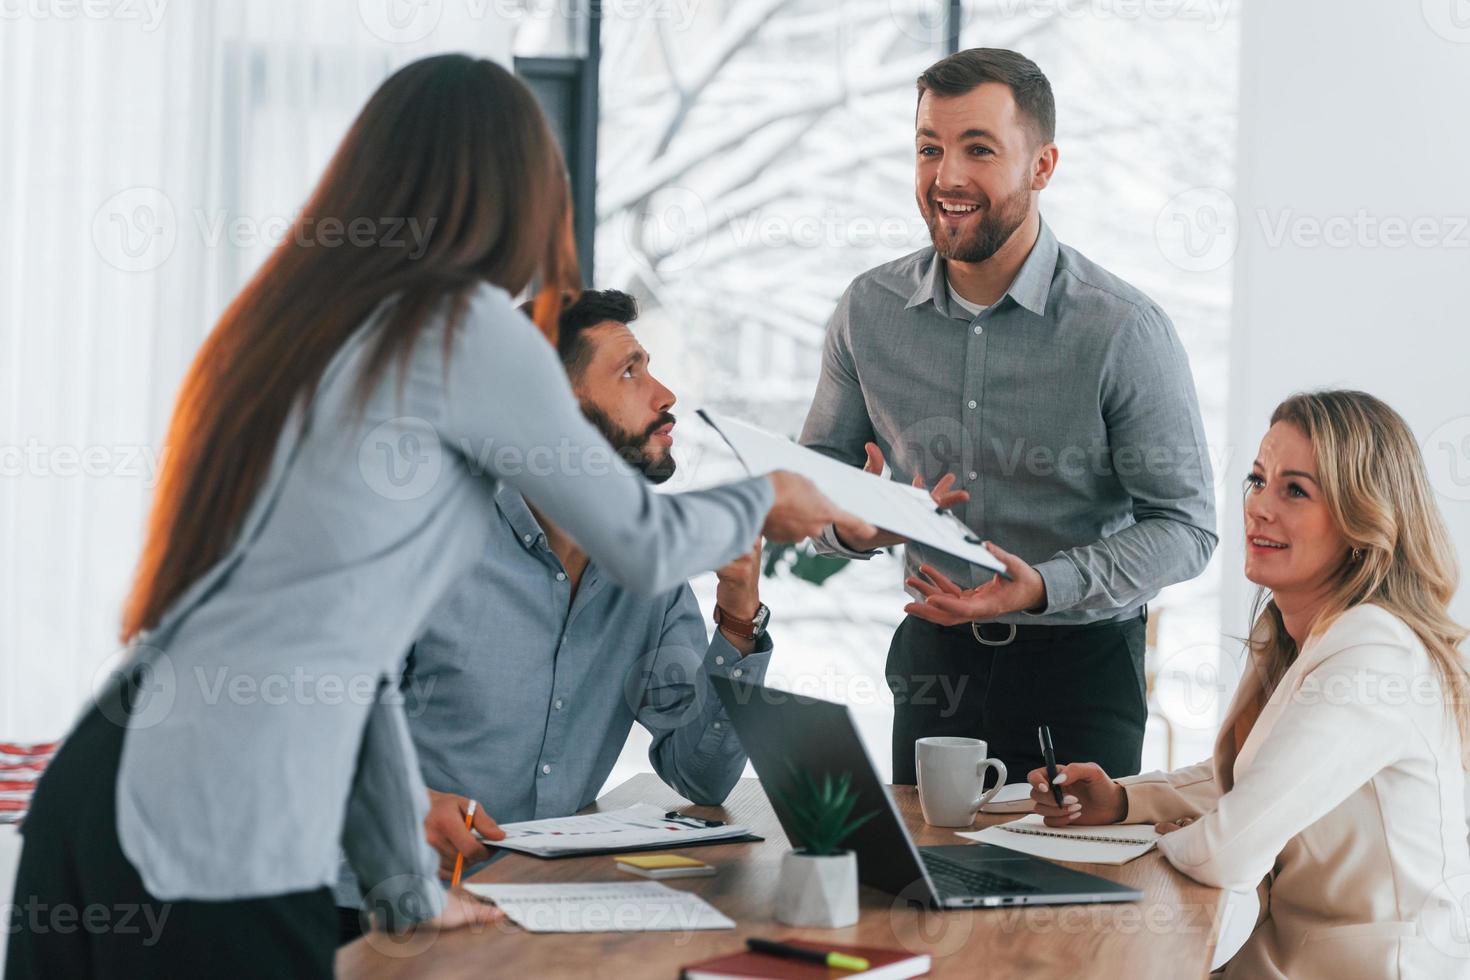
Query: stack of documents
{"x":603,"y":906}
{"x":1108,"y":844}
{"x":638,"y":828}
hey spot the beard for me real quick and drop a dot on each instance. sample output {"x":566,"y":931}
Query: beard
{"x":997,"y":222}
{"x":632,"y":447}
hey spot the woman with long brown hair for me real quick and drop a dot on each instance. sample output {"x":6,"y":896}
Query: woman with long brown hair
{"x":1337,"y":786}
{"x":332,"y":465}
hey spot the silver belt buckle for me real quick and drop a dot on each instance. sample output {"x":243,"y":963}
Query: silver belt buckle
{"x":975,"y":631}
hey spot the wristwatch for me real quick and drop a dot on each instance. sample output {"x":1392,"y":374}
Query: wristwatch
{"x":746,"y":629}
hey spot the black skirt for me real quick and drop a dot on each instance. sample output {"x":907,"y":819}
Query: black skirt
{"x":80,"y":908}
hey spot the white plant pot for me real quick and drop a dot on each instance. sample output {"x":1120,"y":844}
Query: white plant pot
{"x":821,"y":892}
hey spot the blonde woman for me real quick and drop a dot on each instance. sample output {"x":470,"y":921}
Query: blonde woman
{"x":1337,"y":786}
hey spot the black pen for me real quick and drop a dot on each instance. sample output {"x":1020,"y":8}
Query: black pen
{"x":841,"y":961}
{"x":678,"y":817}
{"x":1043,"y":734}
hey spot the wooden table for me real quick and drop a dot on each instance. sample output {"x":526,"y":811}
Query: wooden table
{"x":1170,"y":934}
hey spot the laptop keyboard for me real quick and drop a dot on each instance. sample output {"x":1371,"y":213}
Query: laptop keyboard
{"x":954,"y":878}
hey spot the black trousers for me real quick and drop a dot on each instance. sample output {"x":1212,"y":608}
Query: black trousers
{"x":1085,"y":682}
{"x":81,"y":910}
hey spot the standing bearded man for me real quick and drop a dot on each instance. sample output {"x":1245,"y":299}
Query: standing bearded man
{"x":1052,"y":404}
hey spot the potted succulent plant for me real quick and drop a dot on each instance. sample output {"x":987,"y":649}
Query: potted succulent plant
{"x":818,"y":883}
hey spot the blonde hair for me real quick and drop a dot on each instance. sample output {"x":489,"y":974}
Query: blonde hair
{"x":1376,"y":489}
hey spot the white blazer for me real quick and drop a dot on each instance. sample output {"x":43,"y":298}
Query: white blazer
{"x":1345,"y":810}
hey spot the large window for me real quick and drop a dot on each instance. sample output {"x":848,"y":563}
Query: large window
{"x":757,"y":156}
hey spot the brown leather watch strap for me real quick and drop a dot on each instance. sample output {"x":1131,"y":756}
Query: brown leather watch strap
{"x":743,"y":628}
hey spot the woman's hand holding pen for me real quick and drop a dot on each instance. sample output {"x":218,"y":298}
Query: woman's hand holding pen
{"x":1088,"y":796}
{"x":944,"y":496}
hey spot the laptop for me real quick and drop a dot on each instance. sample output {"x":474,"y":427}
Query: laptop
{"x":785,"y":734}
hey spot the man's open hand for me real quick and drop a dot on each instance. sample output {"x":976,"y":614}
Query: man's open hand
{"x":947,"y":604}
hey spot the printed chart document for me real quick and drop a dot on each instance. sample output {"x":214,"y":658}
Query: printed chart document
{"x":885,"y":503}
{"x":639,"y":827}
{"x":1107,"y":844}
{"x":603,"y":906}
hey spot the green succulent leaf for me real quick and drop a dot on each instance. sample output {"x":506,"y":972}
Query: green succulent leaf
{"x":821,"y":812}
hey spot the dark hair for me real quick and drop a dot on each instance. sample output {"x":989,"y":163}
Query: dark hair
{"x":966,"y":70}
{"x":454,"y":143}
{"x":594,"y":306}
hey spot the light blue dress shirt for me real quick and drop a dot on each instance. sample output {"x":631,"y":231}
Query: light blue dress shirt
{"x":272,"y":736}
{"x":521,"y":696}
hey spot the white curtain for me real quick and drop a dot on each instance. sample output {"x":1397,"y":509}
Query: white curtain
{"x":150,"y":153}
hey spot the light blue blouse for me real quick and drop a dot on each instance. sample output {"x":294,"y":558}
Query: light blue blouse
{"x":267,"y":734}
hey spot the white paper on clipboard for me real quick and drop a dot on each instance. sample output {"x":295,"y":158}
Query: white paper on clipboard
{"x":903,"y":510}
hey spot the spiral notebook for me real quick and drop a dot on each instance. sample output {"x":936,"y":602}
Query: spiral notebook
{"x":1110,"y":844}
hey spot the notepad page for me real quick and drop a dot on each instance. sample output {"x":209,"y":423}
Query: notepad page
{"x":610,"y":906}
{"x":1111,"y":844}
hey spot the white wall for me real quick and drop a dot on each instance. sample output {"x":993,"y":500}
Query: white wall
{"x":1355,"y":115}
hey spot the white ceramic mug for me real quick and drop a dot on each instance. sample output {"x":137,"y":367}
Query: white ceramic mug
{"x":951,"y":779}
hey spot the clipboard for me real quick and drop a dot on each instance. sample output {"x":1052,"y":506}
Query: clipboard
{"x":903,"y":510}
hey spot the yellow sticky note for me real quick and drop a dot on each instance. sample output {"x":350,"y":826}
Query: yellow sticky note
{"x":653,"y":862}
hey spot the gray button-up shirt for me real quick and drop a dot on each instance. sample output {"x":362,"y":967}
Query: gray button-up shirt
{"x":1066,"y":409}
{"x":521,"y":697}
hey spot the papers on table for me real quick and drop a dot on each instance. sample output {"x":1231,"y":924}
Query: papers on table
{"x":639,"y":827}
{"x":903,"y":510}
{"x":1110,"y":844}
{"x":612,"y":906}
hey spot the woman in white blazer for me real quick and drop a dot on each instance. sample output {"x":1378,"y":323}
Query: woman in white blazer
{"x":1337,"y":787}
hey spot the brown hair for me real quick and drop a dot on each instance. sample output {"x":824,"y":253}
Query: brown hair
{"x":454,"y":144}
{"x":1378,"y":493}
{"x":969,"y":69}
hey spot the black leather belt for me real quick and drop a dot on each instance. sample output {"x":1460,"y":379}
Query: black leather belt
{"x":1004,"y":634}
